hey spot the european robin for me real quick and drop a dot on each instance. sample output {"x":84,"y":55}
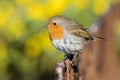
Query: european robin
{"x":68,"y":35}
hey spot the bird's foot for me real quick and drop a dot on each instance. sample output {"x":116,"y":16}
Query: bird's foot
{"x":74,"y":57}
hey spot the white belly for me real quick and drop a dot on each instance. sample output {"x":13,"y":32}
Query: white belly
{"x":70,"y":44}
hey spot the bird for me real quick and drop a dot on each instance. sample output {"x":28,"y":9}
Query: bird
{"x":68,"y":36}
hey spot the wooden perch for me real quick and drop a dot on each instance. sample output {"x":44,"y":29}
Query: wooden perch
{"x":69,"y":70}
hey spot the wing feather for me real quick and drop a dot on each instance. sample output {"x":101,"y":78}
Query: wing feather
{"x":80,"y":32}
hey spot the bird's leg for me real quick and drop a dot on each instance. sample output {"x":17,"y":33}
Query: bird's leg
{"x":65,"y":57}
{"x":74,"y":57}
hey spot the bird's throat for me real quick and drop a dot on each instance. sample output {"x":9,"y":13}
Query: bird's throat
{"x":56,"y":32}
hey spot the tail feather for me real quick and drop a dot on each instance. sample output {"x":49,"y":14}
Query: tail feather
{"x":99,"y":38}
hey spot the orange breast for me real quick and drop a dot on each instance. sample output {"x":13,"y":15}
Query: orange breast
{"x":56,"y":32}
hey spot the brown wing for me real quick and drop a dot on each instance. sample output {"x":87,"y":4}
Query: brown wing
{"x":79,"y":31}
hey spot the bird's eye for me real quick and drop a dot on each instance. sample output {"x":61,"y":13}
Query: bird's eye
{"x":54,"y":23}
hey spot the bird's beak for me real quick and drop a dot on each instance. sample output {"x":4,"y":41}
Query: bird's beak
{"x":45,"y":26}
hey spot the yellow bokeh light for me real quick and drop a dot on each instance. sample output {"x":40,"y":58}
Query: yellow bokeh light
{"x":15,"y":29}
{"x":81,"y":4}
{"x":35,"y":11}
{"x":101,"y":6}
{"x":41,"y":11}
{"x":35,"y":44}
{"x":55,"y":7}
{"x":5,"y":14}
{"x":32,"y":47}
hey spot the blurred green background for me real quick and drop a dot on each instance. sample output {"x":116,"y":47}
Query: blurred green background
{"x":25,"y":49}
